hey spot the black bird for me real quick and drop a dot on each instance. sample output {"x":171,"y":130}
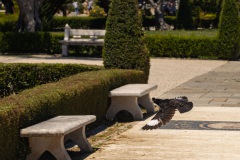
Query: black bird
{"x":167,"y":111}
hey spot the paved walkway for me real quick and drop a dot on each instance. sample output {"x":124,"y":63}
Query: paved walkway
{"x":210,"y":131}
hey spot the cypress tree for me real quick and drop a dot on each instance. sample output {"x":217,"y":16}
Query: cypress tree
{"x":124,"y":47}
{"x":184,"y":15}
{"x":229,"y":30}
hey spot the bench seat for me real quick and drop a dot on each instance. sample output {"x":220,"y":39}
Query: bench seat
{"x":75,"y":41}
{"x":128,"y":98}
{"x":50,"y":136}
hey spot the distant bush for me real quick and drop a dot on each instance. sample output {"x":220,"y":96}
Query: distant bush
{"x":58,"y":23}
{"x":182,"y":47}
{"x":184,"y":16}
{"x":14,"y":42}
{"x":8,"y":23}
{"x":97,"y":12}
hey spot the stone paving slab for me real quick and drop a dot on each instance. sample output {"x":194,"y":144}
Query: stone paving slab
{"x":218,"y":87}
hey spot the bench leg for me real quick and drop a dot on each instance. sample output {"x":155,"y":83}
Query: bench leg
{"x":145,"y":101}
{"x":79,"y":137}
{"x":129,"y":104}
{"x":54,"y":145}
{"x":64,"y":50}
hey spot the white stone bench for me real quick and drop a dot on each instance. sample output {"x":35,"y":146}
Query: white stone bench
{"x":50,"y":136}
{"x":81,"y":37}
{"x":128,"y":98}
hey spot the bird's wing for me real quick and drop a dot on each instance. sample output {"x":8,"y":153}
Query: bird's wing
{"x":181,"y":106}
{"x":167,"y":111}
{"x":161,"y":118}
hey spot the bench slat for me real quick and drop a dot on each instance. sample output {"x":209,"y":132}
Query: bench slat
{"x":60,"y":125}
{"x":82,"y":32}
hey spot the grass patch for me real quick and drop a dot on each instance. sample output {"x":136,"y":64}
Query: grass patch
{"x":184,"y":33}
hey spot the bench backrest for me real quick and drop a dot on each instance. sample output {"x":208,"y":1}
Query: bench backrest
{"x":85,"y":32}
{"x":78,"y":33}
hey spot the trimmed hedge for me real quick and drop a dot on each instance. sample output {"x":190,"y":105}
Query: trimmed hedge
{"x":182,"y":47}
{"x":82,"y":94}
{"x":25,"y":42}
{"x":158,"y":46}
{"x":17,"y":77}
{"x":40,"y":42}
{"x":8,"y":23}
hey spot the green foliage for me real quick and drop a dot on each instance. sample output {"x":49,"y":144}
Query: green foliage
{"x":184,"y":16}
{"x":48,"y":9}
{"x":216,"y":22}
{"x":229,"y":30}
{"x":39,"y":42}
{"x":8,"y":23}
{"x":82,"y":94}
{"x":25,"y":42}
{"x":185,"y":33}
{"x":58,"y":23}
{"x":97,"y":12}
{"x":123,"y":47}
{"x":18,"y":77}
{"x":182,"y":46}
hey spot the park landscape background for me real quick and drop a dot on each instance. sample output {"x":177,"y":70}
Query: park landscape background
{"x":30,"y":94}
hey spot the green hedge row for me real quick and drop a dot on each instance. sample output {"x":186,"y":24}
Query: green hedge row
{"x":184,"y":47}
{"x":17,"y":77}
{"x":8,"y":23}
{"x":40,"y":42}
{"x":82,"y":94}
{"x":12,"y":42}
{"x":158,"y":46}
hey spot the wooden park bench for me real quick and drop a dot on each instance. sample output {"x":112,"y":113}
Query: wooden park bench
{"x":50,"y":136}
{"x":128,"y":98}
{"x":81,"y":37}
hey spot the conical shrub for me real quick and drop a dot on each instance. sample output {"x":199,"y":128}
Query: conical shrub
{"x":124,"y":47}
{"x":184,"y":16}
{"x":229,"y":30}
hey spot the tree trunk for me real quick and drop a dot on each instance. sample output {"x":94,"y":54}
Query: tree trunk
{"x":28,"y":19}
{"x":158,"y":6}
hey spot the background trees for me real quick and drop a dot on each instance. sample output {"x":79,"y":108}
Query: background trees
{"x":33,"y":12}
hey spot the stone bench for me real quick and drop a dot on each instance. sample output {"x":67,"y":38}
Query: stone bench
{"x":50,"y":136}
{"x":83,"y":37}
{"x":128,"y":98}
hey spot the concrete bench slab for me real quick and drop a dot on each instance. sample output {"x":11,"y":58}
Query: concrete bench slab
{"x":128,"y":98}
{"x":50,"y":136}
